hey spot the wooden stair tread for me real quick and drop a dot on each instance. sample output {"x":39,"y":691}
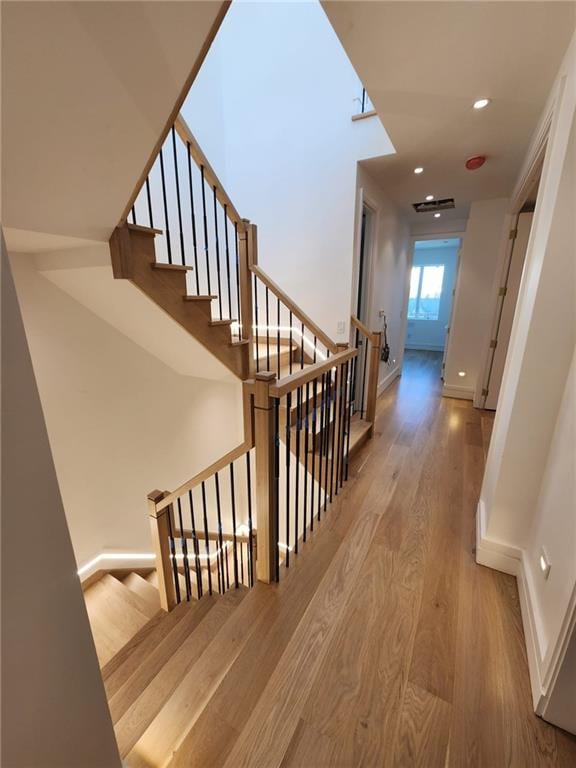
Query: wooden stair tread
{"x":199,"y":298}
{"x":143,"y":589}
{"x":116,"y":614}
{"x":173,"y":267}
{"x":181,"y":710}
{"x":224,"y":323}
{"x":145,"y":715}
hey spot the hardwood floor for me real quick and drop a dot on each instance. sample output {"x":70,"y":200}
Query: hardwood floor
{"x":384,"y":644}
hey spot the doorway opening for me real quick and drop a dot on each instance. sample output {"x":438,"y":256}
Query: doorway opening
{"x":432,"y":280}
{"x":362,"y":303}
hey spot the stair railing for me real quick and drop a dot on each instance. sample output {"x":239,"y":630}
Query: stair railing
{"x":366,"y":371}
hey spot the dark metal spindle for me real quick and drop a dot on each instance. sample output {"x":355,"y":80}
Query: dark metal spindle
{"x":205,"y":222}
{"x":315,"y":340}
{"x":277,"y":478}
{"x":177,"y":180}
{"x":297,"y":484}
{"x":290,"y":342}
{"x":334,"y":399}
{"x":302,"y":346}
{"x":217,"y":242}
{"x":184,"y":547}
{"x":314,"y":436}
{"x":321,"y":445}
{"x":220,"y":539}
{"x":288,"y":435}
{"x":238,"y":280}
{"x":193,"y":213}
{"x":350,"y":405}
{"x":278,"y":334}
{"x":234,"y":542}
{"x":345,"y":423}
{"x":327,"y":426}
{"x":227,"y":250}
{"x":306,"y":446}
{"x":165,"y":201}
{"x":134,"y":214}
{"x":206,"y":539}
{"x":256,"y":323}
{"x":172,"y":543}
{"x":199,"y":585}
{"x":250,"y":543}
{"x":149,"y":201}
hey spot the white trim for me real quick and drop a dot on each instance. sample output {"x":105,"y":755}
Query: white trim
{"x":116,"y":560}
{"x":388,"y":379}
{"x":461,"y":393}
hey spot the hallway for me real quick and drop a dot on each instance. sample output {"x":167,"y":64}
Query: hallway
{"x":385,"y":644}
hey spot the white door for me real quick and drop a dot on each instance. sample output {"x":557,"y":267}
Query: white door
{"x":508,"y":307}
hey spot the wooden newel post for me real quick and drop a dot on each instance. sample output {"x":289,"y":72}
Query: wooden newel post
{"x":373,"y":375}
{"x":246,"y":256}
{"x":160,"y":531}
{"x":266,"y":489}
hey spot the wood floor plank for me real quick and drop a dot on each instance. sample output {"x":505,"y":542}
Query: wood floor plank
{"x":424,"y":730}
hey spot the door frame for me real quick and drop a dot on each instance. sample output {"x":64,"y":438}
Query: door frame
{"x":363,"y":199}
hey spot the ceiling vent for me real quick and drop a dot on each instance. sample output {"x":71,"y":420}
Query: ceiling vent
{"x":434,"y":205}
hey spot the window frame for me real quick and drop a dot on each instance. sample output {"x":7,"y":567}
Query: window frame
{"x":421,"y":268}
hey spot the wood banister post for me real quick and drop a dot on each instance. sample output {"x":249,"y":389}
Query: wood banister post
{"x":373,"y":375}
{"x":246,"y":252}
{"x":266,"y":490}
{"x":160,"y":531}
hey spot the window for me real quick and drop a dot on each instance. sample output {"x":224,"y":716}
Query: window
{"x":425,"y":292}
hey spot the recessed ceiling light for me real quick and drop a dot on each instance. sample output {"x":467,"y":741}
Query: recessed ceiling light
{"x":418,"y":170}
{"x":437,"y":215}
{"x":481,"y":103}
{"x":429,"y":197}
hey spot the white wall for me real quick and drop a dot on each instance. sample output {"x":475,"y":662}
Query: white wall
{"x":54,"y":711}
{"x":120,"y":421}
{"x":472,"y":306}
{"x":389,"y":275}
{"x":527,"y":499}
{"x":431,"y":334}
{"x":280,"y":81}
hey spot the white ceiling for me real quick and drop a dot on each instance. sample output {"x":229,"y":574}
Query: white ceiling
{"x":425,"y":63}
{"x":87,"y":88}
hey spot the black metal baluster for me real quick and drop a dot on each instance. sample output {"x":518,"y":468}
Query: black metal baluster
{"x":302,"y":346}
{"x":256,"y":323}
{"x":290,"y":342}
{"x":333,"y":444}
{"x":345,"y":422}
{"x":288,"y":435}
{"x":165,"y":201}
{"x":205,"y":222}
{"x":278,"y":333}
{"x":149,"y":201}
{"x":184,"y":547}
{"x":199,"y":585}
{"x":238,"y":279}
{"x":297,"y":484}
{"x":342,"y":424}
{"x":277,"y":480}
{"x":327,"y":426}
{"x":250,"y":542}
{"x":350,"y":406}
{"x":172,"y":543}
{"x":225,"y":584}
{"x":267,"y":330}
{"x":134,"y":214}
{"x":315,"y":341}
{"x":176,"y":177}
{"x":193,"y":213}
{"x":227,"y":250}
{"x":321,"y":445}
{"x":206,"y":539}
{"x":314,"y":436}
{"x":306,"y":446}
{"x":217,"y":242}
{"x":338,"y":421}
{"x":234,"y":542}
{"x":365,"y":348}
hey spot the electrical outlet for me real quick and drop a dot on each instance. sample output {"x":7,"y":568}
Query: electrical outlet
{"x":341,"y":327}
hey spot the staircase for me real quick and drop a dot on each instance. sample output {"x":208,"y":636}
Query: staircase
{"x":168,"y":638}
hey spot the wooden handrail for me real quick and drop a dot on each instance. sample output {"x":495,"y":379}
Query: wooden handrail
{"x":183,"y":130}
{"x":363,"y":328}
{"x":311,"y":372}
{"x":217,"y":466}
{"x":294,"y":308}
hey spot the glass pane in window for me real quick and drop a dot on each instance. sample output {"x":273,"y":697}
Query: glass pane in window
{"x":413,"y":297}
{"x":430,"y":293}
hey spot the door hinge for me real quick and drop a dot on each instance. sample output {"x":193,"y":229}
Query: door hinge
{"x":502,"y":291}
{"x":513,"y":233}
{"x":484,"y":393}
{"x":493,"y":343}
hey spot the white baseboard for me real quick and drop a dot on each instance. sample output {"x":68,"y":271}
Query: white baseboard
{"x":461,"y":393}
{"x":122,"y":560}
{"x":388,"y":379}
{"x":512,"y":560}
